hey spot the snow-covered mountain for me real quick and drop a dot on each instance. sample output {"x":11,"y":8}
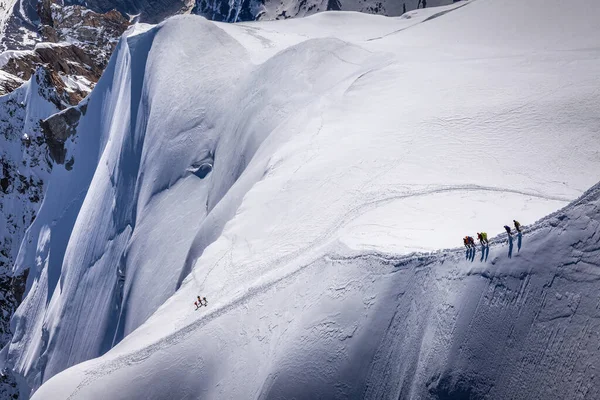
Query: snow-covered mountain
{"x":304,"y":175}
{"x":58,"y":50}
{"x":37,"y":81}
{"x":249,"y":10}
{"x":21,"y":20}
{"x":75,"y":45}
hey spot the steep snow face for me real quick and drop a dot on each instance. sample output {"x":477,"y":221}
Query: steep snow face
{"x":519,"y":320}
{"x":284,"y":169}
{"x":122,"y":187}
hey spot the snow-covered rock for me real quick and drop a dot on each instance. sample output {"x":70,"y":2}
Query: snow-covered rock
{"x":249,"y":10}
{"x":23,"y":154}
{"x":24,"y":169}
{"x":289,"y":171}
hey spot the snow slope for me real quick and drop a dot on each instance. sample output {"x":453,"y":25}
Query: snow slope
{"x":517,"y":321}
{"x":285,"y":170}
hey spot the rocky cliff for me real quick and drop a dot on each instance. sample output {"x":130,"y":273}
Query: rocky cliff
{"x":75,"y":46}
{"x":248,"y":10}
{"x":24,"y":168}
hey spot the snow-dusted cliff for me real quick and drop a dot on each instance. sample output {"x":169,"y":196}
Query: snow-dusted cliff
{"x":24,"y":169}
{"x":287,"y":170}
{"x":249,"y":10}
{"x":36,"y":82}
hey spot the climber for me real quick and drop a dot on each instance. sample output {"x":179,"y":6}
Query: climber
{"x":481,"y":238}
{"x":471,"y":241}
{"x":468,"y":241}
{"x":508,"y":230}
{"x":517,"y":225}
{"x":201,"y":300}
{"x":484,"y":237}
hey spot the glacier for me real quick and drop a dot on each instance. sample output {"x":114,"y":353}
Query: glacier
{"x":311,"y":178}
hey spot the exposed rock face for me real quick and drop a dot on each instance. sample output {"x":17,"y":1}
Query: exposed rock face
{"x":76,"y":48}
{"x":64,"y":58}
{"x":96,"y":34}
{"x":150,"y":11}
{"x":17,"y":25}
{"x":85,"y":40}
{"x":58,"y":128}
{"x":248,"y":10}
{"x":8,"y":83}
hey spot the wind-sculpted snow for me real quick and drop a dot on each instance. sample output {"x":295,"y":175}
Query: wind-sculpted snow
{"x":131,"y":196}
{"x":516,"y":323}
{"x":287,"y":171}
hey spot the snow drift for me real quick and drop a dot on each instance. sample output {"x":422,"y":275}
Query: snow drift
{"x":285,"y":170}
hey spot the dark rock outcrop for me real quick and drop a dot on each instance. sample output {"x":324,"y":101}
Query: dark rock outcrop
{"x":8,"y":83}
{"x":58,"y":128}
